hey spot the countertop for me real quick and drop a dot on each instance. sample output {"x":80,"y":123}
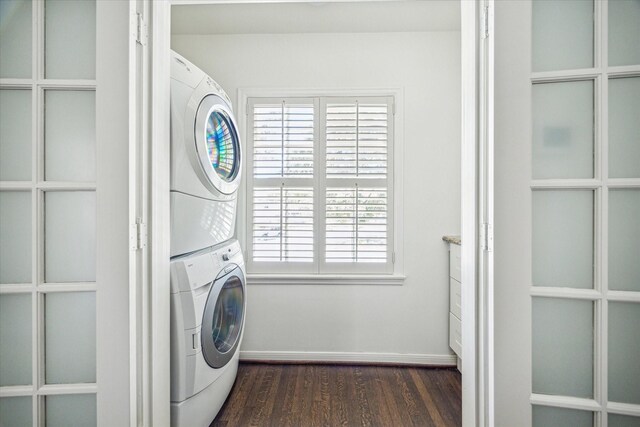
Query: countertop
{"x":452,"y":239}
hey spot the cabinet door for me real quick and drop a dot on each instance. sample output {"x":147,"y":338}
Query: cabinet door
{"x":455,"y":298}
{"x":455,"y":262}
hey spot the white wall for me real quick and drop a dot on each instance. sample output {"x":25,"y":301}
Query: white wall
{"x":408,"y":319}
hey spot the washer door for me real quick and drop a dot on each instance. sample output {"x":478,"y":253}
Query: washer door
{"x":218,"y":144}
{"x":223,"y":319}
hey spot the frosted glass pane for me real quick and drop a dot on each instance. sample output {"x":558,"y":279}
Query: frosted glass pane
{"x":547,"y":416}
{"x":71,"y":410}
{"x":563,"y":238}
{"x":624,"y":240}
{"x":624,"y":127}
{"x":70,"y":236}
{"x":16,"y":412}
{"x":616,"y":420}
{"x":70,"y":135}
{"x":563,"y":130}
{"x":624,"y":348}
{"x":70,"y":39}
{"x":15,"y":39}
{"x":15,"y":339}
{"x":70,"y":337}
{"x":562,"y":34}
{"x":15,"y":135}
{"x":562,"y":336}
{"x":15,"y":237}
{"x":624,"y":32}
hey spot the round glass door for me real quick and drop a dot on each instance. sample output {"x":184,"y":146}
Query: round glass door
{"x":217,"y":144}
{"x":222,"y":322}
{"x":222,"y":145}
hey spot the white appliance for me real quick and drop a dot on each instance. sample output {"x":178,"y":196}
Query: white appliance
{"x":208,"y":303}
{"x":205,"y":160}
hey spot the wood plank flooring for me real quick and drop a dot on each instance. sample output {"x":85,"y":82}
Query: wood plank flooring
{"x":330,"y":395}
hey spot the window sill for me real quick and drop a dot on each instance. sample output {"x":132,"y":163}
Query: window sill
{"x":325,"y":279}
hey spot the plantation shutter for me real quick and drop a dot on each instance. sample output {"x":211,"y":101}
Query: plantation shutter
{"x":282,"y":132}
{"x":357,"y":214}
{"x":320,"y":185}
{"x":357,"y":140}
{"x":283,"y":137}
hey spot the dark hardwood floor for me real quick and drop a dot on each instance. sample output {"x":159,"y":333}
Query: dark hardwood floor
{"x":330,"y":395}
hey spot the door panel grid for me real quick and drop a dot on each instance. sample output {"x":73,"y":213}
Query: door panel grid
{"x":614,"y":395}
{"x":61,"y":363}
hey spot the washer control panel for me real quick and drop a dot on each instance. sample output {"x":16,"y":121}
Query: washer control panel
{"x":228,"y":254}
{"x":197,"y":270}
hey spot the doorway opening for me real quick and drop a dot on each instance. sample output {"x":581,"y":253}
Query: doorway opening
{"x":251,"y":50}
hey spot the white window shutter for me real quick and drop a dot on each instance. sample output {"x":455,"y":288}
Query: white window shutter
{"x":356,"y":225}
{"x":321,"y":187}
{"x":283,"y":140}
{"x":357,"y":140}
{"x":282,"y":185}
{"x":282,"y":224}
{"x":357,"y":203}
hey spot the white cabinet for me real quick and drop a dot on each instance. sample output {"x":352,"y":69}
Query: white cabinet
{"x":455,"y":300}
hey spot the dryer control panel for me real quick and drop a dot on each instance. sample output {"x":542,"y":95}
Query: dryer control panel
{"x":212,"y":83}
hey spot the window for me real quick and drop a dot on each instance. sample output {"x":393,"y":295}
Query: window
{"x":320,"y":185}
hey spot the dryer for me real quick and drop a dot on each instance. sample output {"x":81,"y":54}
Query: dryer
{"x":208,"y":302}
{"x":206,"y":160}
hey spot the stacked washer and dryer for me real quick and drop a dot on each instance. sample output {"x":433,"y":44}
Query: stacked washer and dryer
{"x":207,"y":269}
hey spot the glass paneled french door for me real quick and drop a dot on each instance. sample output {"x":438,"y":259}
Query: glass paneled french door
{"x":586,"y":212}
{"x":47,"y":213}
{"x":574,"y":89}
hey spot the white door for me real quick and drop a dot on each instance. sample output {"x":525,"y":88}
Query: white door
{"x":64,"y":216}
{"x":567,"y":213}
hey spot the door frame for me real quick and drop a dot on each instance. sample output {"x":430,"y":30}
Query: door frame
{"x":469,"y":209}
{"x":477,"y":198}
{"x":485,"y":211}
{"x":133,"y":381}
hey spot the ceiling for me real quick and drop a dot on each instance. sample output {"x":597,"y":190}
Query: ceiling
{"x":316,"y":17}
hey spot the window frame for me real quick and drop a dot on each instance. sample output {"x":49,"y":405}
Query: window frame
{"x":319,"y":271}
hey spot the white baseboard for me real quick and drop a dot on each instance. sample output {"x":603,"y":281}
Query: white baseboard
{"x":336,"y":357}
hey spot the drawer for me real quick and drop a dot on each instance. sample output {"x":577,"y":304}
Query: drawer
{"x":455,"y":263}
{"x":455,"y":298}
{"x":455,"y":334}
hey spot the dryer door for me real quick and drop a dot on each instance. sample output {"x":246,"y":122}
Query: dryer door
{"x":223,"y":319}
{"x":218,"y":144}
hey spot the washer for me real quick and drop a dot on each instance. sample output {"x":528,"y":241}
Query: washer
{"x":205,"y":160}
{"x":208,"y":302}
